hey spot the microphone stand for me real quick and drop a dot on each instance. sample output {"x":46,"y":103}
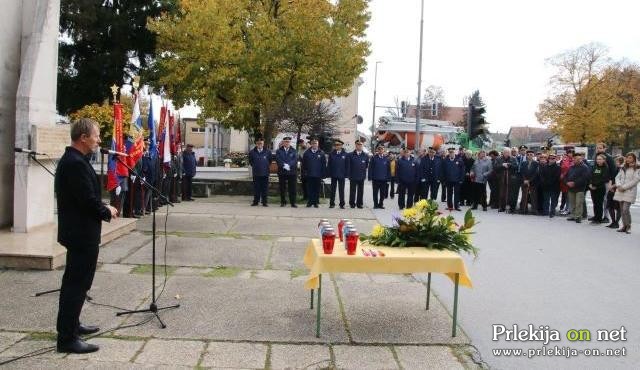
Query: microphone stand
{"x":153,"y":307}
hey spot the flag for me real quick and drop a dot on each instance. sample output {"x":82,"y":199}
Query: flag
{"x":172,"y":128}
{"x":135,"y":141}
{"x":115,"y":169}
{"x":153,"y":146}
{"x":167,"y":143}
{"x":161,"y":128}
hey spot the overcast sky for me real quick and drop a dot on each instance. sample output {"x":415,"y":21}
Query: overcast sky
{"x":498,"y":47}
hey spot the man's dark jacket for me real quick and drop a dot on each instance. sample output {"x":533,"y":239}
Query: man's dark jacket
{"x":80,"y":207}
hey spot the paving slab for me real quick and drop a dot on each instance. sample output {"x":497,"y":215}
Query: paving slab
{"x":300,"y":357}
{"x":7,"y":339}
{"x":288,"y":255}
{"x":245,"y":310}
{"x":28,"y":345}
{"x":187,"y":223}
{"x":391,"y":278}
{"x":395,"y":313}
{"x":116,"y":250}
{"x":281,"y":275}
{"x":281,"y":226}
{"x":46,"y":363}
{"x":235,"y":355}
{"x":364,"y":357}
{"x":427,"y":357}
{"x":25,"y":312}
{"x":207,"y":252}
{"x":111,"y":350}
{"x":171,"y":352}
{"x":116,"y":268}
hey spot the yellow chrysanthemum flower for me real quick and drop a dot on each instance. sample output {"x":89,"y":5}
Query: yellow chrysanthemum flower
{"x":422,"y":204}
{"x":452,"y":227}
{"x":409,"y":213}
{"x":377,"y":231}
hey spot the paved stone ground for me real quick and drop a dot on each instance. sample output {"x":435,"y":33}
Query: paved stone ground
{"x":237,"y":273}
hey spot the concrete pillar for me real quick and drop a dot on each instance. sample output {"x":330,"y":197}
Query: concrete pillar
{"x":10,"y":35}
{"x":35,"y":102}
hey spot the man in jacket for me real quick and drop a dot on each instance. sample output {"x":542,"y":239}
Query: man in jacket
{"x":421,"y":181}
{"x":259,"y":160}
{"x":80,"y":216}
{"x":577,"y":179}
{"x":407,"y":173}
{"x":506,"y":170}
{"x":357,"y":164}
{"x":338,"y":172}
{"x":189,"y":171}
{"x":379,"y":175}
{"x":549,"y":179}
{"x":287,"y":160}
{"x":453,"y":175}
{"x":601,"y":149}
{"x":433,"y":173}
{"x":314,"y":165}
{"x":529,"y":183}
{"x":479,"y":174}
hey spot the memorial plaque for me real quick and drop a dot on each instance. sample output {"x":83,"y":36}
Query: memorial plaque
{"x":50,"y":140}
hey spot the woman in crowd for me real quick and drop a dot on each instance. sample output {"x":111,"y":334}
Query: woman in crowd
{"x":626,"y":189}
{"x":613,"y":206}
{"x":600,"y":181}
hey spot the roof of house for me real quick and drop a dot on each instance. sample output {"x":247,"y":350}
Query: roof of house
{"x":528,"y":134}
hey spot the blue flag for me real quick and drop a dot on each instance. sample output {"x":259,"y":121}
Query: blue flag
{"x":153,"y":147}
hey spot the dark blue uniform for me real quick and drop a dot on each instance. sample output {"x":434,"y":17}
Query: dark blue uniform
{"x":379,"y":175}
{"x":314,"y":166}
{"x":287,"y":178}
{"x":407,"y":174}
{"x":189,"y":171}
{"x":453,"y":176}
{"x":338,"y":164}
{"x":259,"y":161}
{"x":433,"y":174}
{"x":357,"y":164}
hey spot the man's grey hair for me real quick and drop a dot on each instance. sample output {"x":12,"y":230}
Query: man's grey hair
{"x":82,"y":126}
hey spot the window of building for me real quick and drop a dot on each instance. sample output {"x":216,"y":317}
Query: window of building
{"x":197,"y":129}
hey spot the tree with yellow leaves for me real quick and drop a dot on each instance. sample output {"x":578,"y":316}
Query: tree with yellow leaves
{"x":622,"y":84}
{"x":240,"y":59}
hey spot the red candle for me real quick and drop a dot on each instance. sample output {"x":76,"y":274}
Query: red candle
{"x":340,"y":226}
{"x":352,"y":242}
{"x":328,"y":240}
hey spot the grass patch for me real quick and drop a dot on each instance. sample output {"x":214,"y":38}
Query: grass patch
{"x":297,"y":272}
{"x":222,"y":271}
{"x":146,"y":269}
{"x":42,"y":336}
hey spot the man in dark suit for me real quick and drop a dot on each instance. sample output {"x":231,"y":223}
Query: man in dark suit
{"x":287,"y":159}
{"x":453,"y":175}
{"x":529,"y":176}
{"x":338,"y":172}
{"x":189,"y":171}
{"x":357,"y":165}
{"x":433,"y":170}
{"x":407,"y":173}
{"x":314,"y":165}
{"x":259,"y":160}
{"x":379,"y":175}
{"x":80,"y":216}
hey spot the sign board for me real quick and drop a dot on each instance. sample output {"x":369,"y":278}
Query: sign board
{"x":51,"y":140}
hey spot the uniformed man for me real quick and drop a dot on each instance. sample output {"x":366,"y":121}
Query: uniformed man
{"x":259,"y":160}
{"x":314,"y":165}
{"x":408,"y":177}
{"x":421,"y":182}
{"x":338,"y":172}
{"x":529,"y":185}
{"x":189,"y":172}
{"x":505,"y":168}
{"x":287,"y":160}
{"x":357,"y":164}
{"x":433,"y":171}
{"x":453,"y":174}
{"x":379,"y":175}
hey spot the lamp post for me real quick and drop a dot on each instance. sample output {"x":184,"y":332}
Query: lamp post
{"x":373,"y":113}
{"x":418,"y":110}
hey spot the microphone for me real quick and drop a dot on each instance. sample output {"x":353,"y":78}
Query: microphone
{"x":28,"y":151}
{"x":113,"y":152}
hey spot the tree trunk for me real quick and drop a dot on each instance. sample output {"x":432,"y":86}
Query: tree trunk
{"x":626,"y":145}
{"x":298,"y":136}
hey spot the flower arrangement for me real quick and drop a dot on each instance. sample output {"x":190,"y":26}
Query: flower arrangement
{"x":424,"y":225}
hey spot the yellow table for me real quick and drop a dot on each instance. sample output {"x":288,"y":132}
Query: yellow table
{"x":396,"y":260}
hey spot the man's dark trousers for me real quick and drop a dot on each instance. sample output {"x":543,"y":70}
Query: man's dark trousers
{"x":339,"y":183}
{"x":76,"y":282}
{"x":313,"y":190}
{"x":288,"y":181}
{"x":453,"y":195}
{"x":260,"y":188}
{"x":379,"y":189}
{"x":356,"y":189}
{"x":188,"y":185}
{"x":405,"y":194}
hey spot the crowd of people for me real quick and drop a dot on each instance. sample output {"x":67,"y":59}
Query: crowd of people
{"x":517,"y":180}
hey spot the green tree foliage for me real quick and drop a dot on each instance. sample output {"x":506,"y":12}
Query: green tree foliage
{"x":239,"y":59}
{"x":103,"y":42}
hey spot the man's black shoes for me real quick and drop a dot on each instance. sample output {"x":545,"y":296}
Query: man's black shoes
{"x":76,"y":346}
{"x":87,"y":329}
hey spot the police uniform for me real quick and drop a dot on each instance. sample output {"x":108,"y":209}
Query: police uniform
{"x":453,"y":174}
{"x":379,"y":175}
{"x":357,"y":164}
{"x":407,"y":174}
{"x":314,"y":165}
{"x":338,"y":162}
{"x":259,"y":161}
{"x":287,"y":159}
{"x":433,"y":174}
